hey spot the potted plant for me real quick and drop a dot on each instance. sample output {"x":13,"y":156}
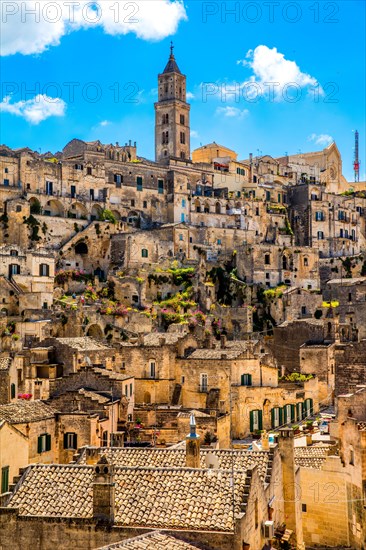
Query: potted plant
{"x":296,"y":429}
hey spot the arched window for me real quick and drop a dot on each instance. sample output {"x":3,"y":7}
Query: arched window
{"x":218,"y":208}
{"x":284,"y":262}
{"x":306,"y":262}
{"x":144,"y":253}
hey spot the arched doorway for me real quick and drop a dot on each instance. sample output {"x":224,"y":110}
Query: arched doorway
{"x":95,"y":331}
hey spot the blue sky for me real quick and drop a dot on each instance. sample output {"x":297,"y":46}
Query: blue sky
{"x":313,"y":49}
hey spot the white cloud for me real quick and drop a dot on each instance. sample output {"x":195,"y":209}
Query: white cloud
{"x":28,"y":33}
{"x":271,"y":71}
{"x":190,"y":96}
{"x":34,"y":110}
{"x":232,"y":112}
{"x":104,"y":123}
{"x":321,"y":139}
{"x":194,"y":134}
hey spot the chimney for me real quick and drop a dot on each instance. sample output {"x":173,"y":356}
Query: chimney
{"x":223,"y":340}
{"x":103,"y":491}
{"x":290,"y":481}
{"x":265,"y":441}
{"x":193,"y":459}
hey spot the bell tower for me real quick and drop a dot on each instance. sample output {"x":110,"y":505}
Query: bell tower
{"x":172,"y":127}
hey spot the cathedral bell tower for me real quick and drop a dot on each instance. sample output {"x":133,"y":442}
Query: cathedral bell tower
{"x":172,"y":128}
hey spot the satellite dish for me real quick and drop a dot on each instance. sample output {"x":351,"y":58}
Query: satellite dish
{"x":212,"y":461}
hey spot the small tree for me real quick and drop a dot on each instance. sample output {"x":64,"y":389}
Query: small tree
{"x":108,"y":216}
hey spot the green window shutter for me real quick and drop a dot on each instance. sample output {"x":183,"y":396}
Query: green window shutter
{"x":249,"y":379}
{"x":284,"y":415}
{"x":260,"y":420}
{"x":12,"y":391}
{"x":65,"y":441}
{"x":242,"y":379}
{"x":293,"y":416}
{"x":39,"y":444}
{"x":75,"y":438}
{"x":311,"y":406}
{"x":251,"y":420}
{"x":48,"y":442}
{"x":5,"y":479}
{"x":273,"y":418}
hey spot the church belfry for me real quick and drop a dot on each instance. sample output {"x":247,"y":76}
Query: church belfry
{"x":172,"y":128}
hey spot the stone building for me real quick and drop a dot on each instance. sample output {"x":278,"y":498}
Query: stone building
{"x":242,"y":489}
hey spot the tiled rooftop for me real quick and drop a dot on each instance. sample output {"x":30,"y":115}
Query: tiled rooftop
{"x":216,"y":354}
{"x":172,"y":498}
{"x":154,"y":338}
{"x":156,"y":540}
{"x":25,"y":411}
{"x":311,"y":457}
{"x":83,"y":343}
{"x":5,"y":363}
{"x":176,"y":458}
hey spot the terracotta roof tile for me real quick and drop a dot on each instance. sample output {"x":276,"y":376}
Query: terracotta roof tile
{"x":176,"y":458}
{"x":152,"y":541}
{"x":25,"y":411}
{"x":172,"y":498}
{"x":311,"y":457}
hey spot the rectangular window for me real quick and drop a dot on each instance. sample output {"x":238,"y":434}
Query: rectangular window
{"x":181,"y":237}
{"x":182,"y":119}
{"x":160,"y":187}
{"x":44,"y":270}
{"x":49,"y":188}
{"x":204,"y":382}
{"x":44,"y":443}
{"x":131,"y":389}
{"x":118,"y":178}
{"x":144,"y":204}
{"x":320,"y":235}
{"x":6,"y":170}
{"x":89,"y":171}
{"x":5,"y":479}
{"x":183,"y":203}
{"x":126,"y":390}
{"x":152,"y":369}
{"x":144,"y":253}
{"x":12,"y":391}
{"x":268,"y":196}
{"x":256,"y":422}
{"x":279,"y":197}
{"x":319,"y":216}
{"x":132,"y":202}
{"x":70,"y":441}
{"x":218,"y":241}
{"x":182,"y":217}
{"x":276,"y":415}
{"x":6,"y":182}
{"x":303,"y":508}
{"x":139,"y":183}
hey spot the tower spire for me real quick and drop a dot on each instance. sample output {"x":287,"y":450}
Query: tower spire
{"x":171,"y":49}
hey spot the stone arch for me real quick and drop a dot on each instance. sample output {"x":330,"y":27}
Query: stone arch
{"x":197,"y":205}
{"x":55,"y":208}
{"x":96,"y":212}
{"x":206,"y":207}
{"x":134,"y":218}
{"x":78,"y":210}
{"x":116,"y":214}
{"x":147,"y":397}
{"x":81,"y":248}
{"x":218,"y":208}
{"x":35,"y":206}
{"x":95,"y":331}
